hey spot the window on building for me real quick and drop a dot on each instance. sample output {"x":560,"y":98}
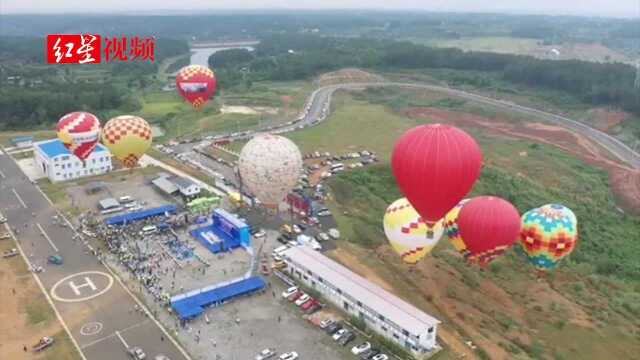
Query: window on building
{"x":65,"y":158}
{"x":405,"y":332}
{"x":384,"y":328}
{"x":381,"y":317}
{"x":345,"y":305}
{"x":305,"y":277}
{"x":320,"y":280}
{"x":396,"y":336}
{"x":359,"y":303}
{"x":430,"y":330}
{"x":339,"y":291}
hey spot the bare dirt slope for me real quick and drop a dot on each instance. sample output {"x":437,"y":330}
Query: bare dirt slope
{"x":625,"y":180}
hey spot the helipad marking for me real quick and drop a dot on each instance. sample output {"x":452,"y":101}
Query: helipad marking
{"x":91,"y":328}
{"x":79,"y":288}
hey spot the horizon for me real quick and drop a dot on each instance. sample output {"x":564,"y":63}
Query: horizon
{"x":195,"y":10}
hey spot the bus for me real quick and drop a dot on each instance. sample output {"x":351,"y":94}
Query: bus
{"x":149,"y":229}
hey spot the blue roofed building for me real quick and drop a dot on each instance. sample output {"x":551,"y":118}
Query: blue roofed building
{"x":59,"y":164}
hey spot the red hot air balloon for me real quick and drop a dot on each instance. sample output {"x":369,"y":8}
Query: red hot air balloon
{"x":197,"y":84}
{"x":79,"y":132}
{"x":436,"y":166}
{"x":488,"y":226}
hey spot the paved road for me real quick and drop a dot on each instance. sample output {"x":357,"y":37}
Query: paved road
{"x":97,"y":310}
{"x":319,"y":103}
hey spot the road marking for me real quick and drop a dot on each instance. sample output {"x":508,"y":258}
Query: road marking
{"x":44,"y":291}
{"x":19,"y":198}
{"x":47,"y":237}
{"x":122,"y":339}
{"x":90,"y":329}
{"x":45,"y":195}
{"x":76,"y":288}
{"x":1,"y":173}
{"x":114,"y":334}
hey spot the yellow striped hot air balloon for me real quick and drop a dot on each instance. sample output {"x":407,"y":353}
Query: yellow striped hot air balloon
{"x":408,"y":233}
{"x":128,"y":137}
{"x":451,"y":228}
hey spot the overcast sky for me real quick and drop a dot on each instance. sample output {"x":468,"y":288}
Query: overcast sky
{"x":618,"y":8}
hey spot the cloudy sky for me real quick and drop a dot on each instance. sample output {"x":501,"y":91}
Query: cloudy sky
{"x":618,"y":8}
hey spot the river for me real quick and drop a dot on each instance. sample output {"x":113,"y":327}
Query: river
{"x":200,"y":56}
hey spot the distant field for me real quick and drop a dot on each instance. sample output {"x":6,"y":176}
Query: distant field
{"x":6,"y":136}
{"x":533,"y":47}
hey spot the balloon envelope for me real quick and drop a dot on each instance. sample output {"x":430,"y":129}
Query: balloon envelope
{"x":79,"y":132}
{"x":452,"y":230}
{"x":548,"y":234}
{"x":488,"y":226}
{"x":407,"y":232}
{"x":128,"y":137}
{"x":270,"y":166}
{"x":196,"y":84}
{"x":435,"y":167}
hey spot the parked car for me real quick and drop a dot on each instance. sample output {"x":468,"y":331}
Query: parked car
{"x":333,"y":328}
{"x":334,"y":233}
{"x":55,"y":260}
{"x":137,"y":353}
{"x":302,"y":299}
{"x":322,"y":237}
{"x":359,"y":349}
{"x":283,"y":240}
{"x":161,"y":357}
{"x":380,"y":357}
{"x":3,"y":219}
{"x":325,"y":323}
{"x":10,"y":253}
{"x":266,"y":354}
{"x":260,"y":234}
{"x":313,"y":308}
{"x":297,"y":229}
{"x":292,"y":355}
{"x":338,"y":334}
{"x":369,"y":354}
{"x":346,"y":338}
{"x":302,"y":227}
{"x":308,"y":304}
{"x":5,"y":236}
{"x":293,"y":297}
{"x":324,"y":213}
{"x":290,"y":291}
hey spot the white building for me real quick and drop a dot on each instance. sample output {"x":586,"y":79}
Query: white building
{"x":58,"y":164}
{"x":382,"y":311}
{"x":186,"y":187}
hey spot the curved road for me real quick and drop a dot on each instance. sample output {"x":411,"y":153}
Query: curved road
{"x":319,"y":101}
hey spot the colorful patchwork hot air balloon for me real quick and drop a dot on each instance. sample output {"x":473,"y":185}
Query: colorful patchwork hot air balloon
{"x":408,"y":233}
{"x":197,"y":84}
{"x":548,"y":234}
{"x":128,"y":137}
{"x":435,"y":166}
{"x":452,"y":230}
{"x":488,"y":226}
{"x":79,"y":132}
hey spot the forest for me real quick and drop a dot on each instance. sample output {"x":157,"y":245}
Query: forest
{"x":300,"y":56}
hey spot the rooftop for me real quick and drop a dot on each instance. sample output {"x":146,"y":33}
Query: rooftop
{"x":232,"y":218}
{"x":109,"y":203}
{"x":54,"y":147}
{"x":398,"y":311}
{"x":165,"y":184}
{"x":183,"y":183}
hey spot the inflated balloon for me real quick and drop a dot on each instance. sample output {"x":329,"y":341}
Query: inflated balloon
{"x":79,"y":132}
{"x":128,"y":137}
{"x":196,"y":84}
{"x":548,"y":234}
{"x":435,"y":167}
{"x":452,"y":230}
{"x":488,"y":226}
{"x":270,"y":166}
{"x":407,"y":232}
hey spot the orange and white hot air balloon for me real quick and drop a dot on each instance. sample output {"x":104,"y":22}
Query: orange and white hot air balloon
{"x":128,"y":137}
{"x":79,"y":132}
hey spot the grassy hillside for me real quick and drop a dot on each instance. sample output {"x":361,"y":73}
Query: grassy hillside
{"x":592,"y":300}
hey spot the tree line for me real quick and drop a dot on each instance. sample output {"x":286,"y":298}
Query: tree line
{"x":299,"y":56}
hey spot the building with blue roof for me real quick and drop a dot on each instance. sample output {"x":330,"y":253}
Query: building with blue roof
{"x":59,"y":164}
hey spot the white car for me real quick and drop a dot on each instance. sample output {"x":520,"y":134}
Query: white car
{"x":339,"y":334}
{"x":323,"y":236}
{"x":161,"y":357}
{"x":296,"y":229}
{"x":381,"y":357}
{"x":260,"y":234}
{"x":289,"y":356}
{"x":302,"y":299}
{"x":266,"y":354}
{"x":3,"y":219}
{"x":359,"y":349}
{"x":290,"y":291}
{"x":137,"y":353}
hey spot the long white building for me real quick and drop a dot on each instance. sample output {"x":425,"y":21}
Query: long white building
{"x":382,"y":311}
{"x":58,"y":164}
